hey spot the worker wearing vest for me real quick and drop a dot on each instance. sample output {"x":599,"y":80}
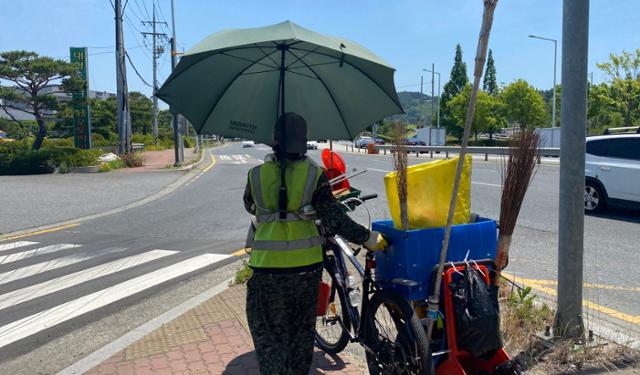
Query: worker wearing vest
{"x":286,"y":257}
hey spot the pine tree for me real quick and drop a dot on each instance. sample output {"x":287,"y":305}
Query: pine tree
{"x":489,"y":83}
{"x":457,"y":81}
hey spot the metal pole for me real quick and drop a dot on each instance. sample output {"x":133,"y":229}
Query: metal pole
{"x":155,"y":66}
{"x":421,"y":100}
{"x":553,"y":114}
{"x":119,"y":58}
{"x":438,"y":108}
{"x":177,"y":138}
{"x":575,"y":42}
{"x":433,"y":76}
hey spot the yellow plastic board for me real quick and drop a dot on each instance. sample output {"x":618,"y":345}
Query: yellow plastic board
{"x":429,"y":188}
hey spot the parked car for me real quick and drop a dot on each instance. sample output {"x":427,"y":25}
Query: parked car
{"x":363,"y":142}
{"x":312,"y":145}
{"x":246,"y":144}
{"x":612,"y":172}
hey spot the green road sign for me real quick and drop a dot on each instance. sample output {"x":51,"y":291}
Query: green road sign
{"x":81,"y":110}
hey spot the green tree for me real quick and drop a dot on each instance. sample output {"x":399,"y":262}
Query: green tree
{"x":457,"y":81}
{"x":141,"y":112}
{"x":32,"y":73}
{"x":489,"y":84}
{"x":523,"y":105}
{"x":487,"y":116}
{"x":624,"y":72}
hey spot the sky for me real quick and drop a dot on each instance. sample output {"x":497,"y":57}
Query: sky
{"x":408,"y":34}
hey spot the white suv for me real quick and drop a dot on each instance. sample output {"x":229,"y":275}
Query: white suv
{"x":612,"y":172}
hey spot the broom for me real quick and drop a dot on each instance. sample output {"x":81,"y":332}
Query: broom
{"x":517,"y":173}
{"x":400,"y":164}
{"x":481,"y":55}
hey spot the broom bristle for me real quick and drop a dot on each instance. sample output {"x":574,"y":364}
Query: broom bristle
{"x":517,"y":173}
{"x":400,"y":164}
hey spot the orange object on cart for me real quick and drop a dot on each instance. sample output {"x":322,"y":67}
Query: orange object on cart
{"x":323,"y":300}
{"x":335,"y":166}
{"x":460,"y":362}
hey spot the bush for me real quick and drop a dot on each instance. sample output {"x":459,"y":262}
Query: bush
{"x":57,"y":142}
{"x":46,"y":160}
{"x":133,"y":159}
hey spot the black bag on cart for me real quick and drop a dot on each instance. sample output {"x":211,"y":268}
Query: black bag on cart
{"x":477,"y":314}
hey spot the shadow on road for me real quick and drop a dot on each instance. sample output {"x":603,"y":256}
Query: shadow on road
{"x":620,"y":214}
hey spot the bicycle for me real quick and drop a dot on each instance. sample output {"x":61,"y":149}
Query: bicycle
{"x":393,"y":337}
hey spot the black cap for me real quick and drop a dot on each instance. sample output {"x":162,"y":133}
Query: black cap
{"x":295,"y":133}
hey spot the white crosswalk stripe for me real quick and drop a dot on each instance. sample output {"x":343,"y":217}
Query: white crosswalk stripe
{"x":37,"y":322}
{"x":15,"y":245}
{"x":39,"y":251}
{"x":29,"y":305}
{"x":21,"y":273}
{"x":67,"y":281}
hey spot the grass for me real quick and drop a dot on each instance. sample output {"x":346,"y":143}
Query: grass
{"x":243,"y":274}
{"x":524,"y":321}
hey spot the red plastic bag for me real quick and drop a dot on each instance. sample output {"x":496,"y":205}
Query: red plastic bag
{"x":323,"y":300}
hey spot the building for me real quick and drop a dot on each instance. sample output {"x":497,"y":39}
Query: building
{"x":55,"y":90}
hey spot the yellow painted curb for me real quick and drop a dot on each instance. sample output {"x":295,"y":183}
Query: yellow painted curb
{"x":67,"y":226}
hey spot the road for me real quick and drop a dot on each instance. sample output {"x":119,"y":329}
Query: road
{"x":81,"y":287}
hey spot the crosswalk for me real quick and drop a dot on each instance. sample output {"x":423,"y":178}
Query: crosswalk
{"x":237,"y":159}
{"x":81,"y":280}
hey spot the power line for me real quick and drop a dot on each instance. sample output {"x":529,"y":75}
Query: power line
{"x":136,"y":70}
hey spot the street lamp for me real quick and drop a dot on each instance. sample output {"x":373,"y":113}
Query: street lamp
{"x":432,"y":71}
{"x":555,"y":54}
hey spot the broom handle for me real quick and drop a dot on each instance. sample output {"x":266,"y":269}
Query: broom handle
{"x":481,"y":54}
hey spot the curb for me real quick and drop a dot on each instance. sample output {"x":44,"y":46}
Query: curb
{"x":192,"y":174}
{"x":104,"y":353}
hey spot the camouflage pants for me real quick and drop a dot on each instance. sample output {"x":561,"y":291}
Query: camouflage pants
{"x":281,"y":310}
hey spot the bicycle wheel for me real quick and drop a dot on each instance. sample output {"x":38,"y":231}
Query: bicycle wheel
{"x":396,"y":338}
{"x":332,"y":329}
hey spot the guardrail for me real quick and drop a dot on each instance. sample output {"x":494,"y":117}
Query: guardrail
{"x":547,"y":151}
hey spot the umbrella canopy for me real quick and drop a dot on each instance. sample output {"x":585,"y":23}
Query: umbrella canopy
{"x":238,"y":82}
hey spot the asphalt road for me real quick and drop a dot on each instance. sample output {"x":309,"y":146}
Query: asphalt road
{"x":81,"y":287}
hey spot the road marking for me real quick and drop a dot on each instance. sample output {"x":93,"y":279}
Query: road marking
{"x":35,"y":323}
{"x":486,"y":184}
{"x":67,"y":226}
{"x":592,"y":286}
{"x":21,"y":273}
{"x":15,"y":245}
{"x":35,"y":252}
{"x":541,"y":286}
{"x":72,"y":279}
{"x":208,"y":168}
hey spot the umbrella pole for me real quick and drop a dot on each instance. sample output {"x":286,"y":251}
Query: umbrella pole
{"x":282,"y":198}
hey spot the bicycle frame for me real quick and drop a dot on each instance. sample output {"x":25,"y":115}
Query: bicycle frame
{"x":338,"y":268}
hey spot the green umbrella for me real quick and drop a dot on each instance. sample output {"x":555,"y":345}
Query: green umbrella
{"x":238,"y":82}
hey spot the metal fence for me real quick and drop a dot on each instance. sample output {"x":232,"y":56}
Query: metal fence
{"x":486,"y":151}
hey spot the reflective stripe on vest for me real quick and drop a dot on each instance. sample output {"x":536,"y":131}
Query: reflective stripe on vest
{"x":293,"y":241}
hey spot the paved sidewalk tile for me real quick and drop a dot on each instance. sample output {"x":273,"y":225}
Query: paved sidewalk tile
{"x":212,"y":338}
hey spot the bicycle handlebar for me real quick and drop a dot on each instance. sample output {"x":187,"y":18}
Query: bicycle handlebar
{"x":368,"y":197}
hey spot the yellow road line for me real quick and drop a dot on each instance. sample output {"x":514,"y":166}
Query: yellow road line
{"x":213,"y":162}
{"x":542,"y":286}
{"x":240,"y":252}
{"x":67,"y":226}
{"x":592,"y":286}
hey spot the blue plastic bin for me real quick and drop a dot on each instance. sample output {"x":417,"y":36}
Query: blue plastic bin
{"x":412,"y":254}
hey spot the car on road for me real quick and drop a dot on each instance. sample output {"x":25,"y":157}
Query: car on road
{"x":415,"y":142}
{"x":378,"y":141}
{"x":312,"y":145}
{"x":363,"y":142}
{"x":246,"y":144}
{"x":612,"y":172}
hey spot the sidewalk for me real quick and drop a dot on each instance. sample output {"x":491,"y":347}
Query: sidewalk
{"x":212,"y":338}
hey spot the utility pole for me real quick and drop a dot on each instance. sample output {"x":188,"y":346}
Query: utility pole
{"x":123,"y":114}
{"x":421,"y":101}
{"x":177,"y":137}
{"x":155,"y":54}
{"x":433,"y":76}
{"x":575,"y":42}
